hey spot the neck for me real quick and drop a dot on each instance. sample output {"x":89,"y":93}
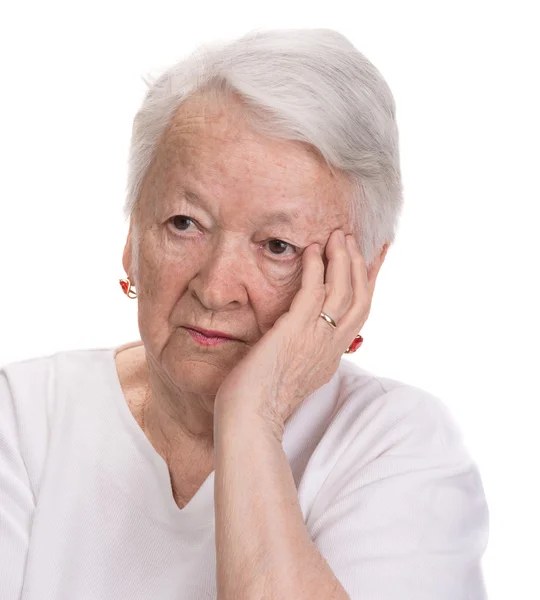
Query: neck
{"x":176,"y":421}
{"x":173,"y":420}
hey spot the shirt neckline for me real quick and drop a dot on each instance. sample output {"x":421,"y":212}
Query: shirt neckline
{"x":199,"y":511}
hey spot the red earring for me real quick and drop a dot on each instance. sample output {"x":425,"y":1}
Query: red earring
{"x":356,"y":343}
{"x":126,"y":286}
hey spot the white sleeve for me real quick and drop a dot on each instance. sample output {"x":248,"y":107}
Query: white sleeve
{"x":16,"y":500}
{"x":411,"y":523}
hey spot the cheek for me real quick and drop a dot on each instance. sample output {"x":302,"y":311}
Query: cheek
{"x":273,"y":298}
{"x":159,"y":258}
{"x":163,"y":282}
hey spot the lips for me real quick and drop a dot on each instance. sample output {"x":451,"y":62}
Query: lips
{"x":209,"y":333}
{"x":204,"y":340}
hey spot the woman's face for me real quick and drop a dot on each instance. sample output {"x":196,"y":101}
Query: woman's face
{"x":215,"y":249}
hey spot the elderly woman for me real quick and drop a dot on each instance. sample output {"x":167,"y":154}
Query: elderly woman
{"x":231,"y":453}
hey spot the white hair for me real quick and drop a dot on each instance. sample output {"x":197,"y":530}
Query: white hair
{"x":309,"y":85}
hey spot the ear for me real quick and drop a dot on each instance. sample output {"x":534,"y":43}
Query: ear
{"x":126,"y":257}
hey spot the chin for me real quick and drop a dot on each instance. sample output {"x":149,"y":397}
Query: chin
{"x":195,"y":374}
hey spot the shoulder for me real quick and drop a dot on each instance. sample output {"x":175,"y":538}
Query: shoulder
{"x":358,"y":414}
{"x":32,"y":379}
{"x":400,"y":492}
{"x":398,"y":398}
{"x":375,"y":415}
{"x":35,"y":394}
{"x":389,"y":441}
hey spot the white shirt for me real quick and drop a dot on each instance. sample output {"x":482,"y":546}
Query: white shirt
{"x":388,"y":491}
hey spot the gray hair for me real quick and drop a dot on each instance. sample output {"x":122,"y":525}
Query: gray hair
{"x":309,"y":85}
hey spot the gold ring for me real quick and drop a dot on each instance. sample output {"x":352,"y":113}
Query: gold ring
{"x":328,"y":319}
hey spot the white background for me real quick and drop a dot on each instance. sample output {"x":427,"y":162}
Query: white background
{"x":456,"y":306}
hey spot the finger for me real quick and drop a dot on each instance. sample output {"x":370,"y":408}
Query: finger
{"x":308,"y":300}
{"x":359,"y":283}
{"x":338,"y":283}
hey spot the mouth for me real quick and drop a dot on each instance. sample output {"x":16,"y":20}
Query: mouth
{"x":207,"y":340}
{"x":210,"y":332}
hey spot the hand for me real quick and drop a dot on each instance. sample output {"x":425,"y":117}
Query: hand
{"x":301,"y":352}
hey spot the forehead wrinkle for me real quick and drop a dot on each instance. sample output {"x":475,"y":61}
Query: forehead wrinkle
{"x":277,"y":216}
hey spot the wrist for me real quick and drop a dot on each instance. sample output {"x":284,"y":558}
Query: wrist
{"x":243,"y":419}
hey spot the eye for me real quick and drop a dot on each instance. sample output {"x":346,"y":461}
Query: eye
{"x":178,"y":221}
{"x":278,"y":245}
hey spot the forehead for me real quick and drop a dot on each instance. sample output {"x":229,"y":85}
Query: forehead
{"x":209,"y":154}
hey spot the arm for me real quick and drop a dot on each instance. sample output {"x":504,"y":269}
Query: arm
{"x":16,"y":500}
{"x":263,"y":549}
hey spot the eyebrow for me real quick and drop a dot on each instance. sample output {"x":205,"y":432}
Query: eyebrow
{"x":276,"y":216}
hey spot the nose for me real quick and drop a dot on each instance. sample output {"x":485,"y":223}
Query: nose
{"x":221,"y":280}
